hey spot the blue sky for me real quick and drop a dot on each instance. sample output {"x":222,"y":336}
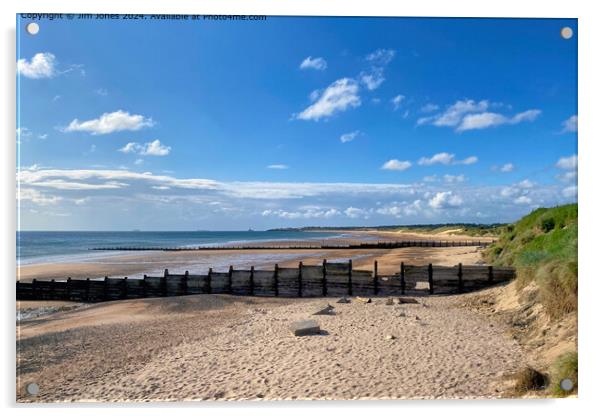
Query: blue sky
{"x":293,"y":121}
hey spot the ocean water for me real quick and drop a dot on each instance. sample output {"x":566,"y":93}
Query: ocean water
{"x":59,"y":246}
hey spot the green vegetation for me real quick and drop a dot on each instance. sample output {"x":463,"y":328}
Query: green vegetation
{"x":528,"y":379}
{"x":543,"y":248}
{"x":565,"y":367}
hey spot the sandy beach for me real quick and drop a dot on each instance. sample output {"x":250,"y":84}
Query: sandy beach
{"x":220,"y":347}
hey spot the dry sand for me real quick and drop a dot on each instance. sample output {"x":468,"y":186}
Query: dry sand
{"x":219,"y":347}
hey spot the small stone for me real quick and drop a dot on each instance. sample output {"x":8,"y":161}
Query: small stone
{"x":363,"y":300}
{"x":417,"y":318}
{"x":389,"y":301}
{"x":325,"y":310}
{"x":343,"y":300}
{"x":402,"y":314}
{"x":407,"y":300}
{"x":390,"y":337}
{"x":301,"y":328}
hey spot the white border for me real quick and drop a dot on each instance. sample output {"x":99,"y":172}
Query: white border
{"x":590,"y":70}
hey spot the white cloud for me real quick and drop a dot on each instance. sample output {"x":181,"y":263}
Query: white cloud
{"x":395,"y":164}
{"x":525,"y":184}
{"x":353,"y":212}
{"x":523,"y":200}
{"x":508,"y":167}
{"x":445,"y":158}
{"x":454,"y":178}
{"x":431,"y":178}
{"x":42,"y":136}
{"x":42,"y":65}
{"x":373,"y":79}
{"x":37,"y":197}
{"x":277,"y":166}
{"x":314,"y":63}
{"x":570,"y":125}
{"x":570,"y":191}
{"x":347,"y":137}
{"x":472,"y":115}
{"x":487,"y":119}
{"x":154,"y":148}
{"x":339,"y":96}
{"x":568,"y":163}
{"x":397,"y":101}
{"x":443,"y":200}
{"x":381,"y":56}
{"x":429,"y":108}
{"x":307,"y":213}
{"x":23,"y":132}
{"x":567,"y":176}
{"x":111,"y":122}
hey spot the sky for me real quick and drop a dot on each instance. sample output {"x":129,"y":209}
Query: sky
{"x":293,"y":121}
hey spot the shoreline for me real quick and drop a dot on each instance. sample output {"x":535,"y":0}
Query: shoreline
{"x":136,"y":264}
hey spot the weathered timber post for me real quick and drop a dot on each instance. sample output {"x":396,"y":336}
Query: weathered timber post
{"x":276,"y":280}
{"x":106,"y":288}
{"x":460,"y":281}
{"x":144,"y":287}
{"x":252,"y":281}
{"x":185,"y":282}
{"x":402,"y":276}
{"x":164,"y":283}
{"x":490,"y":274}
{"x":34,"y":292}
{"x":324,"y":288}
{"x":68,"y":288}
{"x":349,"y":282}
{"x":230,"y":271}
{"x":208,"y":288}
{"x":300,"y":280}
{"x":430,"y":269}
{"x":87,"y":289}
{"x":375,"y":278}
{"x":124,"y":283}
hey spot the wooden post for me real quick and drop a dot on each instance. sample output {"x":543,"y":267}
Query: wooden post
{"x":34,"y":292}
{"x":460,"y":281}
{"x":125,"y":287}
{"x":375,"y":277}
{"x":209,"y":280}
{"x":144,"y":287}
{"x":185,"y":282}
{"x":68,"y":288}
{"x":324,"y":287}
{"x":431,"y":289}
{"x":106,"y":288}
{"x":87,"y":289}
{"x":52,"y":289}
{"x":276,"y":280}
{"x":490,"y":274}
{"x":402,"y":275}
{"x":300,"y":280}
{"x":349,"y":282}
{"x":230,"y":271}
{"x":252,"y":281}
{"x":164,"y":283}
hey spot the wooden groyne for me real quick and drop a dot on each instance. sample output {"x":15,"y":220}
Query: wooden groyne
{"x":361,"y":246}
{"x":327,"y":279}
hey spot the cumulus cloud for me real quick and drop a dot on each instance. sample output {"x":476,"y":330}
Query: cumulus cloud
{"x":445,"y":158}
{"x":570,"y":191}
{"x":278,"y":166}
{"x":396,"y":101}
{"x":353,"y":212}
{"x":314,"y":63}
{"x":568,"y":163}
{"x":42,"y":65}
{"x":429,"y":108}
{"x":381,"y":56}
{"x":337,"y":97}
{"x":372,"y":80}
{"x":36,"y":197}
{"x":395,"y":164}
{"x":454,"y":178}
{"x":570,"y":125}
{"x":466,"y":115}
{"x":523,"y":200}
{"x":443,"y":200}
{"x":347,"y":137}
{"x":110,"y":122}
{"x":508,"y":167}
{"x":154,"y":148}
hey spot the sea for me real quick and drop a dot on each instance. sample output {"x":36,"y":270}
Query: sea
{"x":34,"y":247}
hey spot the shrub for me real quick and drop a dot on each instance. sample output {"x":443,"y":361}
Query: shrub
{"x":528,"y":379}
{"x":547,"y":224}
